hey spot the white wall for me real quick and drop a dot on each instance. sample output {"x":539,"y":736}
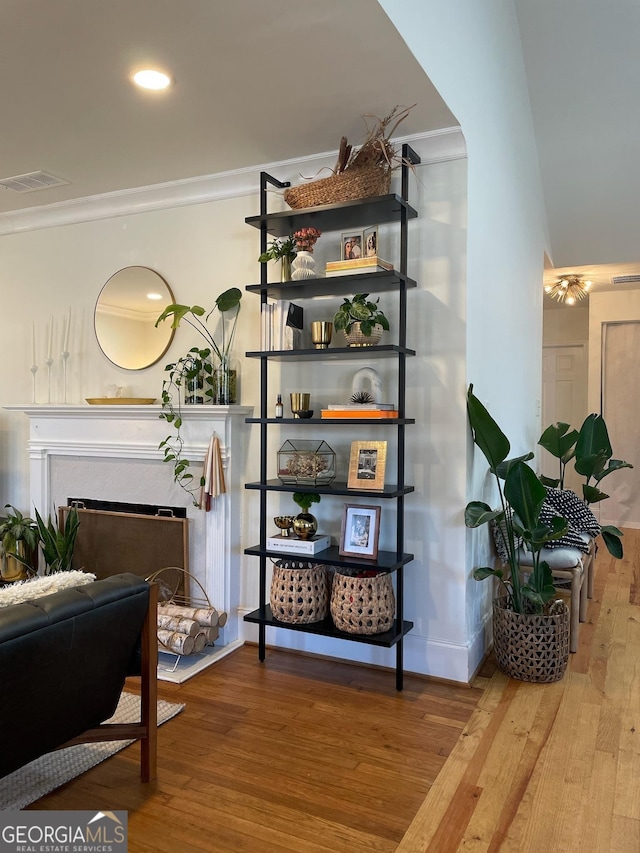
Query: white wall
{"x":565,"y":325}
{"x":471,"y":52}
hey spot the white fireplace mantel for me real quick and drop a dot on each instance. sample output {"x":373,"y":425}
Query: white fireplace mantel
{"x":113,"y":451}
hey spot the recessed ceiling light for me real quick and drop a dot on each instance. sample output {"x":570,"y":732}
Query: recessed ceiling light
{"x":151,"y":79}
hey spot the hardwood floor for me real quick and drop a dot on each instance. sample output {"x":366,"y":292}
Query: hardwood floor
{"x":298,"y":754}
{"x":306,"y":755}
{"x":552,"y":767}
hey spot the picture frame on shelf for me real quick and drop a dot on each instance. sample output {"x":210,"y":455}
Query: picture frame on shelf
{"x":359,"y":531}
{"x":367,"y":464}
{"x":351,"y":246}
{"x":370,"y":242}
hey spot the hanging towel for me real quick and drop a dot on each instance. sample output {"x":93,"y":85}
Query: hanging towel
{"x":213,"y":474}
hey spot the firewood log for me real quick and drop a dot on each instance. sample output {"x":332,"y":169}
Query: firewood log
{"x":181,"y":644}
{"x":179,"y":624}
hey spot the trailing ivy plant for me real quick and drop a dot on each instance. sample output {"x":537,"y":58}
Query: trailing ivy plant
{"x":194,"y":366}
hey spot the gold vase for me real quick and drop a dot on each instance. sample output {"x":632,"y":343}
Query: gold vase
{"x":305,"y":525}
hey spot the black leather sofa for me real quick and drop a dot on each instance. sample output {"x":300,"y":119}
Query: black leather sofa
{"x":63,"y":663}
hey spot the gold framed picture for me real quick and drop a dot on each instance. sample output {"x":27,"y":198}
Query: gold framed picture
{"x":360,"y":531}
{"x":367,"y":463}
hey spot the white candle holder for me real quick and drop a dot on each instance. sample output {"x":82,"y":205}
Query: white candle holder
{"x":34,"y":370}
{"x":49,"y":362}
{"x":65,"y":356}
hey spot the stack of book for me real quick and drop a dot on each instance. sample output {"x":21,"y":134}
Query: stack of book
{"x":359,"y":410}
{"x":360,"y":265}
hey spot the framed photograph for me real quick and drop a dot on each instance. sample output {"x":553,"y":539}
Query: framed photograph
{"x":367,"y":463}
{"x":370,"y":241}
{"x":351,"y":246}
{"x":360,"y":531}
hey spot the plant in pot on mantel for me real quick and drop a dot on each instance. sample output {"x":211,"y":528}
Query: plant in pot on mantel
{"x":530,"y":628}
{"x":361,"y":321}
{"x":200,"y":379}
{"x":19,"y":539}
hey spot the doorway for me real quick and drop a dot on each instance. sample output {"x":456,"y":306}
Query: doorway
{"x":620,"y":367}
{"x":564,"y":398}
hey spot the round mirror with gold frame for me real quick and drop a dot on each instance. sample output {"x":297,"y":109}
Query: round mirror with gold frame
{"x":126,"y":312}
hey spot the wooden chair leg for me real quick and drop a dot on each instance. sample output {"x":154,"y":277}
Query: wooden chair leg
{"x":590,"y":565}
{"x":576,"y":580}
{"x":584,"y":589}
{"x":149,"y":690}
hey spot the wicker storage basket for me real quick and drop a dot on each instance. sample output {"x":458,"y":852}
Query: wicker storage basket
{"x":299,"y":592}
{"x":531,"y":647}
{"x":350,"y":185}
{"x":362,"y":605}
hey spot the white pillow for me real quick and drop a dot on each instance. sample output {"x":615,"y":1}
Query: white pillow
{"x":20,"y":591}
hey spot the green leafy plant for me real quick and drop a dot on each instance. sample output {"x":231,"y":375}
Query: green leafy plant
{"x":19,"y":539}
{"x":359,"y":310}
{"x":195,"y":366}
{"x":305,"y":499}
{"x":278,"y":249}
{"x":591,"y":450}
{"x":521,"y":499}
{"x":225,"y":304}
{"x":58,"y":542}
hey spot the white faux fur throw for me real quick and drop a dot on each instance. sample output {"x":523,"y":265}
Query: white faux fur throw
{"x":20,"y":591}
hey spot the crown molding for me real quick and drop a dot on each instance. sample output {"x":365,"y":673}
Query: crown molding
{"x":433,"y":147}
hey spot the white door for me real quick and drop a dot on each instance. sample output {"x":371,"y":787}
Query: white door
{"x":620,"y":367}
{"x":564,"y":398}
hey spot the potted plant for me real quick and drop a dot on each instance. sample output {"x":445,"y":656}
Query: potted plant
{"x":219,"y":380}
{"x":361,"y":321}
{"x":530,"y":630}
{"x":280,"y":250}
{"x":19,"y":538}
{"x":305,"y":525}
{"x":58,"y":541}
{"x":590,"y":448}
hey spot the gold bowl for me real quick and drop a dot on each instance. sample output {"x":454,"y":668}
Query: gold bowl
{"x":284,"y":523}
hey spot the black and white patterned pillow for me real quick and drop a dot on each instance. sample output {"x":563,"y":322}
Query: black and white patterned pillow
{"x":571,"y":539}
{"x":569,"y":506}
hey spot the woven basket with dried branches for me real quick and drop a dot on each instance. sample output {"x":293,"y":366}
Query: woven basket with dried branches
{"x":360,"y":172}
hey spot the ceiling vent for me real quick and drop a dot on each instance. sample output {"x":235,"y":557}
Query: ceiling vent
{"x":32,"y":182}
{"x":626,"y":279}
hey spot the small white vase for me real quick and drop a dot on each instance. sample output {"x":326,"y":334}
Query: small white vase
{"x":303,"y":266}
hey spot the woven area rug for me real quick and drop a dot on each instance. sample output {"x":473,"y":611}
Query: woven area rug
{"x":47,"y":773}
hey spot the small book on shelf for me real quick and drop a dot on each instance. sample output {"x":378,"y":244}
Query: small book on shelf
{"x":291,"y":545}
{"x":362,"y":407}
{"x":371,"y":414}
{"x":359,"y":265}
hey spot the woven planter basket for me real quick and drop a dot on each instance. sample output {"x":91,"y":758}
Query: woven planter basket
{"x":531,"y":647}
{"x":356,"y":338}
{"x":362,"y":605}
{"x":299,"y":592}
{"x":350,"y":185}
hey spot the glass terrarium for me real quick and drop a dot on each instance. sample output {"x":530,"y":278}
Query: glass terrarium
{"x":306,"y":461}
